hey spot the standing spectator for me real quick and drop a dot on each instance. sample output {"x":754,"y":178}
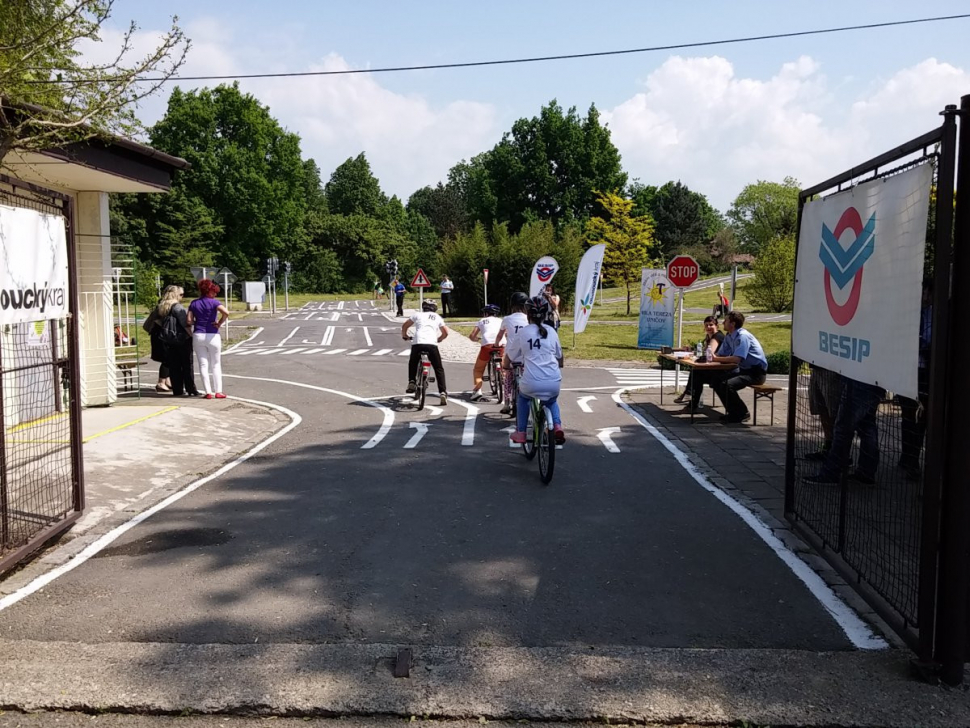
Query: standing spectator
{"x":857,"y":415}
{"x":914,"y":410}
{"x":206,"y":316}
{"x":152,"y":326}
{"x":175,"y":341}
{"x":399,"y":290}
{"x":447,"y":288}
{"x":824,"y":394}
{"x":552,"y":297}
{"x":742,"y":349}
{"x":378,"y":290}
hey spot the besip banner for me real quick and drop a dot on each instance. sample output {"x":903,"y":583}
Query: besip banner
{"x":542,"y":273}
{"x":33,"y":266}
{"x":657,"y":305}
{"x":858,"y":280}
{"x":587,"y":279}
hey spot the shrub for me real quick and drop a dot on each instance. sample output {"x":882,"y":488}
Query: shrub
{"x":773,"y":287}
{"x":779,"y":362}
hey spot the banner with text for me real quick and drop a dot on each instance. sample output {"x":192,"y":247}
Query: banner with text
{"x":658,"y":302}
{"x":865,"y":327}
{"x":587,"y":279}
{"x":543,"y":272}
{"x":33,"y":266}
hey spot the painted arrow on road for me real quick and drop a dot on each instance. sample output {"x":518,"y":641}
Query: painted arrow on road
{"x":422,"y":430}
{"x":583,"y":403}
{"x":605,"y":437}
{"x":510,"y":429}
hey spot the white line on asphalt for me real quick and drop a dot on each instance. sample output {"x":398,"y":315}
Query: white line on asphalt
{"x":356,"y":304}
{"x":309,"y":315}
{"x":335,"y":316}
{"x":605,"y":436}
{"x":468,"y":433}
{"x":327,"y":339}
{"x":313,"y":351}
{"x":422,"y":430}
{"x":510,"y":429}
{"x":382,"y":352}
{"x":245,"y":341}
{"x":113,"y":535}
{"x":246,"y":352}
{"x":289,"y":337}
{"x":360,"y":317}
{"x":293,"y":351}
{"x":270,"y":351}
{"x":340,"y":305}
{"x":858,"y":632}
{"x":406,"y":352}
{"x":334,"y":351}
{"x":583,"y":403}
{"x":358,"y":352}
{"x":367,"y":337}
{"x":435,"y":411}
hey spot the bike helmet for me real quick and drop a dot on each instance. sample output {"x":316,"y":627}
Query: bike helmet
{"x":537,"y":309}
{"x":519,"y":299}
{"x":429,"y":306}
{"x":491,"y":310}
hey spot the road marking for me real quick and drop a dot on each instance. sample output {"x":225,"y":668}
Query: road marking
{"x":340,"y":305}
{"x":510,"y":429}
{"x":583,"y":403}
{"x":269,"y":351}
{"x":327,"y":339}
{"x":313,"y":351}
{"x":251,"y":337}
{"x":435,"y":411}
{"x":293,"y":351}
{"x":309,"y":316}
{"x":358,"y":352}
{"x":367,"y":337}
{"x":349,"y":330}
{"x":246,"y":352}
{"x":858,"y":632}
{"x":604,"y":435}
{"x":356,"y":304}
{"x":307,"y":341}
{"x":382,"y":352}
{"x":422,"y":430}
{"x":289,"y":337}
{"x":360,"y":317}
{"x":334,"y":351}
{"x":468,"y":432}
{"x":335,"y":316}
{"x":406,"y":352}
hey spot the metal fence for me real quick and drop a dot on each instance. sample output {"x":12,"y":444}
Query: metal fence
{"x":41,"y":476}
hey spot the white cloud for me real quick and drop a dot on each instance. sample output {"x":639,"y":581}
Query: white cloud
{"x":697,"y":121}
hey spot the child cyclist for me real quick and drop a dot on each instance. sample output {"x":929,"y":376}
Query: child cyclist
{"x":486,"y":332}
{"x":537,"y":347}
{"x":511,"y":325}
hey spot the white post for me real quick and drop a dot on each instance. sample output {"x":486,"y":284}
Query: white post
{"x":734,"y":286}
{"x":680,"y":335}
{"x":226,"y":290}
{"x":486,"y":292}
{"x":421,"y":299}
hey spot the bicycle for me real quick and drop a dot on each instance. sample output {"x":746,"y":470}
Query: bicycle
{"x":541,"y":440}
{"x":493,"y":375}
{"x":424,"y":379}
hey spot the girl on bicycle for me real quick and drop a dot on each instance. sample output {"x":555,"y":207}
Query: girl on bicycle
{"x":537,"y":347}
{"x":486,"y":333}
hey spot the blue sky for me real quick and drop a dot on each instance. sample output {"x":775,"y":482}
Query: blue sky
{"x":714,"y":117}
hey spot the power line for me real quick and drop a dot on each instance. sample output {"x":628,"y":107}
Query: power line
{"x":538,"y":59}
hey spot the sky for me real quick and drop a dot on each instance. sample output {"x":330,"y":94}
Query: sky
{"x":715,"y":118}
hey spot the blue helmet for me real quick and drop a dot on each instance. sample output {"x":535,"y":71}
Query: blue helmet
{"x":491,"y":310}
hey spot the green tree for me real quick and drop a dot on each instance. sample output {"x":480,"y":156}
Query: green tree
{"x":353,"y":189}
{"x":444,"y":206}
{"x":764,"y":211}
{"x":773,"y":288}
{"x":51,"y":95}
{"x":683,"y":220}
{"x":628,"y":238}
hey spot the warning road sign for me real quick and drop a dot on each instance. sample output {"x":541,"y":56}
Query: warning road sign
{"x":420,"y":280}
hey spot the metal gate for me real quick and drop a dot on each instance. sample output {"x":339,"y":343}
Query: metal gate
{"x":41,"y":473}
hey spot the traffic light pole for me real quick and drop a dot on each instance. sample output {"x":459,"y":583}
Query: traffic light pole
{"x":286,"y":289}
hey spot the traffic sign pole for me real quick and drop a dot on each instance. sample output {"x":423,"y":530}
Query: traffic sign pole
{"x":485,"y":275}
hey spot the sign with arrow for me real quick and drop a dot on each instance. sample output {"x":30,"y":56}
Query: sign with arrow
{"x":420,"y":280}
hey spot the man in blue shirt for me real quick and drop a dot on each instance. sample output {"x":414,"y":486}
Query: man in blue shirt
{"x":742,"y":349}
{"x":399,"y":290}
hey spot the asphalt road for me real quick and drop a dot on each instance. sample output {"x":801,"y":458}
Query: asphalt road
{"x":375,"y":523}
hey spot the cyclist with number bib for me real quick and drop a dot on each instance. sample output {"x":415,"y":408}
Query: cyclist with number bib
{"x":537,"y":347}
{"x":511,"y":325}
{"x":429,"y":331}
{"x":486,"y":333}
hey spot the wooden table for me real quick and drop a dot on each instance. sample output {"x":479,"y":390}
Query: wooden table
{"x":690,"y":363}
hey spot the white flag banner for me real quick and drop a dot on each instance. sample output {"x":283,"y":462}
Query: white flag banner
{"x":858,"y":280}
{"x":33,"y":266}
{"x":587,"y":279}
{"x":542,"y":273}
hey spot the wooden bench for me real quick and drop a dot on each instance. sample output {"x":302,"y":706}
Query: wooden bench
{"x":127,"y":371}
{"x":764,"y":391}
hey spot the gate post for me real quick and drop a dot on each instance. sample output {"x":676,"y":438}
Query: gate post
{"x":951,"y":633}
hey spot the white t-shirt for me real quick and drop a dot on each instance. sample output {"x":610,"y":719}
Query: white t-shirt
{"x":427,"y":328}
{"x":489,"y":327}
{"x":542,"y":375}
{"x":512,"y":324}
{"x":447,"y":286}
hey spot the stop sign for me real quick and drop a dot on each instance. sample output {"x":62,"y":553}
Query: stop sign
{"x":682,"y":271}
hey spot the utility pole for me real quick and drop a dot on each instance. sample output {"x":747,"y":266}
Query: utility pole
{"x":286,"y":284}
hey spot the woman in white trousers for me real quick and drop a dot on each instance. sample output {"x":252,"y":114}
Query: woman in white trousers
{"x":206,"y":316}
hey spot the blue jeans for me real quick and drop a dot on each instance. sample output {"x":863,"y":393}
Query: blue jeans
{"x":524,"y":405}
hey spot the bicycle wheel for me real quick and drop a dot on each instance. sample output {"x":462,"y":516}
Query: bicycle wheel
{"x":498,"y":386}
{"x":547,"y":448}
{"x":422,"y":390}
{"x":529,"y":446}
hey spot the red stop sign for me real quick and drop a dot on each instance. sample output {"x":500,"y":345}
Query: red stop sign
{"x":682,"y":271}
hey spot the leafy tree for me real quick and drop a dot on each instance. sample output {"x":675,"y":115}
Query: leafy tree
{"x":764,"y":211}
{"x":444,"y":206}
{"x":68,"y":99}
{"x":773,"y":288}
{"x":353,"y":189}
{"x":628,"y":238}
{"x":683,"y":219}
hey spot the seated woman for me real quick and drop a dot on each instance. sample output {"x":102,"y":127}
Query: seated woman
{"x":695,"y":385}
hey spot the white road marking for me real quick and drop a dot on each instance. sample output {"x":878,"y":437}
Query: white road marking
{"x":858,"y":632}
{"x":340,"y":305}
{"x":604,"y":436}
{"x":382,"y":352}
{"x":435,"y":411}
{"x":583,"y":403}
{"x":327,"y":339}
{"x":335,"y":351}
{"x":313,"y":351}
{"x":270,"y":351}
{"x":360,"y":317}
{"x":356,"y":304}
{"x":335,"y":316}
{"x":468,"y":433}
{"x":293,"y":351}
{"x":307,"y":341}
{"x":406,"y":352}
{"x":113,"y":535}
{"x":510,"y":429}
{"x":367,"y":337}
{"x":358,"y":352}
{"x":349,"y":330}
{"x":422,"y":430}
{"x":251,"y":337}
{"x":289,"y":337}
{"x":245,"y":352}
{"x":309,"y":315}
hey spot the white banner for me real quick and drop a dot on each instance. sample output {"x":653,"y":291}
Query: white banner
{"x":587,"y":279}
{"x":858,"y":280}
{"x":33,"y":266}
{"x":542,"y":273}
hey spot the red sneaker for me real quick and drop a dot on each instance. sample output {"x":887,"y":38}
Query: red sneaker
{"x":518,"y":438}
{"x":559,"y":434}
{"x":208,"y":396}
{"x":220,"y":395}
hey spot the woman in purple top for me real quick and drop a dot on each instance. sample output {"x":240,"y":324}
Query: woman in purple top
{"x":206,"y":317}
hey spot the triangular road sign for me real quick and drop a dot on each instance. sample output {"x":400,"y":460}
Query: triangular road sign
{"x":420,"y":280}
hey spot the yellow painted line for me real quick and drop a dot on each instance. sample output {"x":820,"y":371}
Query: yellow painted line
{"x":42,"y":420}
{"x":129,"y":424}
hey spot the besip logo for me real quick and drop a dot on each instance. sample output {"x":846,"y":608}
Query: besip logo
{"x":845,"y":265}
{"x":545,"y":272}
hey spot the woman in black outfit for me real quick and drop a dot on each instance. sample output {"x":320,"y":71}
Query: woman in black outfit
{"x":695,"y":384}
{"x":177,"y":354}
